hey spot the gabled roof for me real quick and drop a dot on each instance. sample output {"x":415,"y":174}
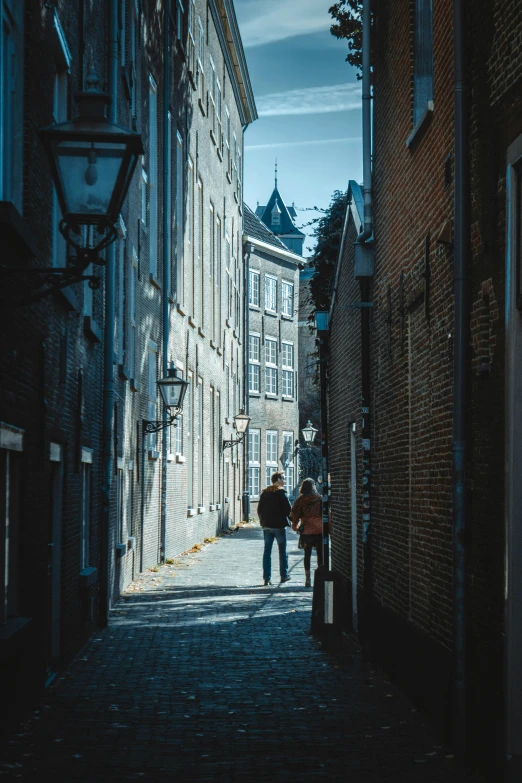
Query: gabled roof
{"x":288,"y":227}
{"x":256,"y":230}
{"x":355,"y":209}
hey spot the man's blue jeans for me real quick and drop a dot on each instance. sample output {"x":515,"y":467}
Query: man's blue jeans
{"x":279,"y":534}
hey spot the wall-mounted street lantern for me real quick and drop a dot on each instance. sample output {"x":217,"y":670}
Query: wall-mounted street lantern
{"x":241,"y":422}
{"x":173,"y":389}
{"x":309,"y":432}
{"x":92,"y":162}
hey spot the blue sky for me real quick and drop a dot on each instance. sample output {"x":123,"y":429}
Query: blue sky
{"x":309,"y":104}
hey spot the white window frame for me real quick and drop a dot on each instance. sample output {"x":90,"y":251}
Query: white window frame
{"x":201,"y":63}
{"x":270,"y":293}
{"x":180,"y":260}
{"x":201,"y":444}
{"x":153,"y":179}
{"x":253,"y":287}
{"x":120,"y":324}
{"x":191,"y":393}
{"x":287,"y":369}
{"x":271,"y":456}
{"x":152,"y":394}
{"x":287,"y":293}
{"x":132,"y":315}
{"x":271,"y":366}
{"x":254,"y":462}
{"x":254,"y":363}
{"x":423,"y":60}
{"x":289,"y":464}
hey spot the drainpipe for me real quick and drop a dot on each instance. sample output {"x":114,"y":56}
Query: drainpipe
{"x":460,"y":261}
{"x":166,"y":265}
{"x":246,"y":400}
{"x":108,"y":349}
{"x":364,"y":270}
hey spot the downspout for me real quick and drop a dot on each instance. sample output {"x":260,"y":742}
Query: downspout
{"x":460,"y":261}
{"x":165,"y":292}
{"x":108,"y":348}
{"x":364,"y":270}
{"x":246,"y":400}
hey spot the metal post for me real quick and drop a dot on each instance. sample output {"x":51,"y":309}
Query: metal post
{"x":108,"y":353}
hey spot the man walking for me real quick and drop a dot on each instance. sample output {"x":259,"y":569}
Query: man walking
{"x":273,"y":510}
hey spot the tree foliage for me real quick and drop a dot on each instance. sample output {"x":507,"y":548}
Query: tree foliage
{"x":348,"y":25}
{"x":328,"y":232}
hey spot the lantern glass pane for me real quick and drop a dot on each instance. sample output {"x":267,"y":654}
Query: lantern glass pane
{"x":88,"y":173}
{"x":170,"y":393}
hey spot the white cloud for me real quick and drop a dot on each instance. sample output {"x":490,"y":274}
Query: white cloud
{"x":310,"y":100}
{"x":312,"y":142}
{"x":265,"y":21}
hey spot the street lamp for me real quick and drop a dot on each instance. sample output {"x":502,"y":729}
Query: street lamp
{"x":241,"y":422}
{"x":173,"y":388}
{"x":92,"y":162}
{"x":309,"y":432}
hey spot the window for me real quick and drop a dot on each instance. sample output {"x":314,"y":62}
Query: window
{"x":253,"y":288}
{"x":152,"y":395}
{"x":217,"y":290}
{"x":120,"y":508}
{"x":123,"y":31}
{"x":219,"y":131}
{"x":271,"y":454}
{"x":200,"y":442}
{"x":253,"y":363}
{"x":288,"y":461}
{"x":271,"y":366}
{"x":228,"y":281}
{"x":227,"y":143}
{"x":288,"y":298}
{"x":234,"y":160}
{"x":86,"y":468}
{"x":144,"y":184}
{"x":287,"y":364}
{"x":153,"y":179}
{"x":212,"y":95}
{"x":190,"y":440}
{"x":189,"y":223}
{"x":180,"y":18}
{"x":200,"y":269}
{"x":10,"y":474}
{"x":254,"y":438}
{"x":11,"y":101}
{"x":270,"y":293}
{"x":201,"y":61}
{"x":217,"y":446}
{"x":119,"y":326}
{"x":212,"y":440}
{"x":422,"y":59}
{"x":190,"y":38}
{"x":131,"y":335}
{"x":212,"y":270}
{"x":239,"y":175}
{"x":133,"y":42}
{"x":180,"y":270}
{"x":178,"y":429}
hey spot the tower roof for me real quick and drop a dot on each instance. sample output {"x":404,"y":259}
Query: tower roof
{"x":276,"y":204}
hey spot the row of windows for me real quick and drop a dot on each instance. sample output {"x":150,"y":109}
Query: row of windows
{"x":254,"y":293}
{"x":271,"y":366}
{"x":272,"y":459}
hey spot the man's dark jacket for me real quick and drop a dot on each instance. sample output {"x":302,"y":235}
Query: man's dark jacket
{"x":273,"y":508}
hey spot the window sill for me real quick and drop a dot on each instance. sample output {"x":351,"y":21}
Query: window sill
{"x":254,"y":393}
{"x":228,"y":420}
{"x":123,"y":372}
{"x":68,"y":299}
{"x":270,"y":396}
{"x":287,"y":317}
{"x":88,"y":577}
{"x":191,"y":322}
{"x":219,"y":154}
{"x":229,"y":178}
{"x":180,"y":459}
{"x":180,"y":50}
{"x":121,"y":550}
{"x":91,"y":329}
{"x":192,"y":80}
{"x":154,"y":281}
{"x":181,"y":309}
{"x":212,"y":507}
{"x":133,"y":385}
{"x":236,"y":332}
{"x":218,"y":506}
{"x":191,"y":512}
{"x":227,"y":500}
{"x":236,"y":198}
{"x":171,"y":457}
{"x":212,"y":136}
{"x":286,"y":398}
{"x":272,"y":313}
{"x":201,"y":509}
{"x":228,"y":322}
{"x":421,"y":125}
{"x":253,"y":307}
{"x":201,"y":332}
{"x":201,"y":107}
{"x":213,"y":344}
{"x":153,"y":454}
{"x":220,"y":352}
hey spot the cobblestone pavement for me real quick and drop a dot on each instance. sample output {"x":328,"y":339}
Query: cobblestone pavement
{"x":205,"y":675}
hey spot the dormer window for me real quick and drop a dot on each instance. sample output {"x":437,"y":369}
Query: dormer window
{"x":276,"y":219}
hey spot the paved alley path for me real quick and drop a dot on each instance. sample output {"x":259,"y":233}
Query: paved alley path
{"x":205,"y":675}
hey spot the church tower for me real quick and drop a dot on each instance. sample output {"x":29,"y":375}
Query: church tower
{"x":280,"y":219}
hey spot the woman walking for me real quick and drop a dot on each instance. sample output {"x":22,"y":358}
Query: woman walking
{"x":306,"y":516}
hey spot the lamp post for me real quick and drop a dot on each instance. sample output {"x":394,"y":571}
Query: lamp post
{"x":241,"y":422}
{"x":172,"y":389}
{"x":309,"y":432}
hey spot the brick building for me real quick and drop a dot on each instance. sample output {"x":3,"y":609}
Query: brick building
{"x":308,"y":379}
{"x":399,"y":589}
{"x":272,"y":357}
{"x":178,"y":77}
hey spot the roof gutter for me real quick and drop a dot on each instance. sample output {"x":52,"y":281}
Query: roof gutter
{"x":286,"y":254}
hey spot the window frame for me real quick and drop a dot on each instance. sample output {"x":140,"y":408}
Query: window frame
{"x":254,"y":277}
{"x":289,"y":312}
{"x":287,"y":369}
{"x":272,"y":280}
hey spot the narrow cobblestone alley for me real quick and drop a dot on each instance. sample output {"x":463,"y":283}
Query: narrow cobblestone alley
{"x":205,"y":675}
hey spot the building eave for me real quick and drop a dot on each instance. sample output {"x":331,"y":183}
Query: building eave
{"x":287,"y":255}
{"x":351,"y":209}
{"x":225,"y":20}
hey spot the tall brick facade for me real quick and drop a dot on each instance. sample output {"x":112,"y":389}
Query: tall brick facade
{"x":178,"y":256}
{"x":410,"y":600}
